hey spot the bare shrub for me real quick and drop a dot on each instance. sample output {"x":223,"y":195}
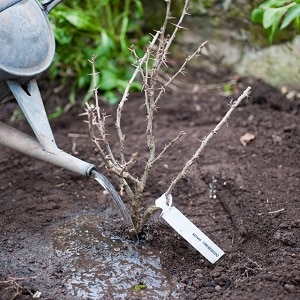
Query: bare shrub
{"x":149,"y":68}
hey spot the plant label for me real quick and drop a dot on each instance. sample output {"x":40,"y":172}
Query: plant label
{"x":188,"y":230}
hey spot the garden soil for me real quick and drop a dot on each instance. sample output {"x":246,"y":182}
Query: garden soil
{"x":244,"y":193}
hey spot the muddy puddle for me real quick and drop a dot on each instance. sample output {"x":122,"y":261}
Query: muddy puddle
{"x":99,"y":265}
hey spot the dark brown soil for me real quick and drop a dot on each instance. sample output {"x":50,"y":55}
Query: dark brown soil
{"x":245,"y":198}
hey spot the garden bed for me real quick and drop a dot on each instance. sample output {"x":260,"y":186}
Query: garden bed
{"x":244,"y":197}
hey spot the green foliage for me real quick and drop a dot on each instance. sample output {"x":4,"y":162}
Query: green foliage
{"x":96,"y":27}
{"x":277,"y":15}
{"x":139,"y":287}
{"x":227,"y":89}
{"x":56,"y":114}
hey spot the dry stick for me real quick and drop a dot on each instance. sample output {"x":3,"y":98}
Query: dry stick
{"x":181,"y":69}
{"x":165,"y":24}
{"x":149,"y":87}
{"x":167,"y":146}
{"x":91,"y":124}
{"x":125,"y":97}
{"x":276,"y":211}
{"x":13,"y":281}
{"x":150,"y":98}
{"x":183,"y":172}
{"x":98,"y":120}
{"x":178,"y":25}
{"x":162,"y":52}
{"x":164,"y":44}
{"x":119,"y":169}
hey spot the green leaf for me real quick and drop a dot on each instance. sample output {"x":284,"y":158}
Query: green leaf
{"x":297,"y":24}
{"x":56,"y":114}
{"x":273,"y":32}
{"x":109,"y":80}
{"x":81,"y":21}
{"x":111,"y":97}
{"x":139,"y":287}
{"x":257,"y":15}
{"x":62,"y":37}
{"x":292,"y":14}
{"x":274,"y":3}
{"x":272,"y":16}
{"x":105,"y":28}
{"x":106,"y":44}
{"x":139,"y":8}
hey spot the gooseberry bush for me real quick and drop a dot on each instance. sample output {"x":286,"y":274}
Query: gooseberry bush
{"x":149,"y":68}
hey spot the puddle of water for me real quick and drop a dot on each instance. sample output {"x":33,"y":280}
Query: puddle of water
{"x":101,"y":265}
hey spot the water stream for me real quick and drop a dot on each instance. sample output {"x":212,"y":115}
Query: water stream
{"x":116,"y":197}
{"x":100,"y":265}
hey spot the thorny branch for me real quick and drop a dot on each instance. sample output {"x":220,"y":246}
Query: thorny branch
{"x":148,"y":67}
{"x":13,"y":287}
{"x":203,"y":144}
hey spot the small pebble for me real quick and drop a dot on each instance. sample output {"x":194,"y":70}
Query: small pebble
{"x":218,"y":288}
{"x":289,"y":287}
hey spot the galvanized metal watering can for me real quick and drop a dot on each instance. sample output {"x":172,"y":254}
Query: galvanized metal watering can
{"x":27,"y":49}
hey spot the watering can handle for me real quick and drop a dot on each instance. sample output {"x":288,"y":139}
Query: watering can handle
{"x":30,"y":101}
{"x":48,"y":5}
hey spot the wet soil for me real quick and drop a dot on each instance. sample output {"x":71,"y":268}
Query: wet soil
{"x":244,"y":197}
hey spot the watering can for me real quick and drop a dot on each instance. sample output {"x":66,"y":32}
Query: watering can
{"x":27,"y":49}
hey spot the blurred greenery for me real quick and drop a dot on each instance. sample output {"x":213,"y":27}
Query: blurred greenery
{"x":107,"y":29}
{"x":275,"y":15}
{"x":97,"y":27}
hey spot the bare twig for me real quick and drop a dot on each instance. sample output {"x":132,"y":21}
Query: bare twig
{"x":150,"y":81}
{"x":126,"y":93}
{"x":14,"y":287}
{"x":225,"y":119}
{"x":276,"y":211}
{"x":96,"y":119}
{"x":255,"y":263}
{"x":181,"y":69}
{"x":169,"y":145}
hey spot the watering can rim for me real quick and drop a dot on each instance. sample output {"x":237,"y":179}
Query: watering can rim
{"x":14,"y":72}
{"x":5,"y":4}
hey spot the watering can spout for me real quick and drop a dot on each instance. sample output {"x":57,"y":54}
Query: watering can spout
{"x":44,"y":147}
{"x":17,"y":140}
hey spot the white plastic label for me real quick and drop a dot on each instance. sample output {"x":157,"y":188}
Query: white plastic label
{"x":188,"y":230}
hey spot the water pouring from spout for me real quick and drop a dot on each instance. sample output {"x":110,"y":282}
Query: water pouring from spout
{"x":116,"y":197}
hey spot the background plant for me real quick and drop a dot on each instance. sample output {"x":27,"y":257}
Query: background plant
{"x":97,"y":27}
{"x":275,"y":15}
{"x":149,"y":67}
